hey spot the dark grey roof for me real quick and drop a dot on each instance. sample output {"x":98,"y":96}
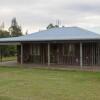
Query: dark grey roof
{"x":64,"y":33}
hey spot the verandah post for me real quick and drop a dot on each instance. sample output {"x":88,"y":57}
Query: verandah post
{"x":1,"y":54}
{"x":81,"y":56}
{"x":48,"y":54}
{"x":21,"y":53}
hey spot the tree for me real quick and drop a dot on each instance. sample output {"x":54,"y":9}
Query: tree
{"x":52,"y":26}
{"x":2,"y":26}
{"x":4,"y":49}
{"x":15,"y":29}
{"x":56,"y":26}
{"x":4,"y":34}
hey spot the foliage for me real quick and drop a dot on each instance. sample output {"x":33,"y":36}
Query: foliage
{"x":10,"y":58}
{"x":4,"y":34}
{"x":15,"y":29}
{"x":52,"y":26}
{"x":4,"y":49}
{"x":7,"y":50}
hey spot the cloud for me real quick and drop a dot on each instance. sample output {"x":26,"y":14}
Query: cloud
{"x":86,"y":8}
{"x":37,"y":14}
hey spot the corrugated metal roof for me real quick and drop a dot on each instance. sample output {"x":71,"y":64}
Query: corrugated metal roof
{"x":64,"y":33}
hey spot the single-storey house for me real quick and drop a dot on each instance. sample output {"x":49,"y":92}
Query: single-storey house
{"x":72,"y":46}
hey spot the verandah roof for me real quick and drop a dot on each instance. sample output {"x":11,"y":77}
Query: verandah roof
{"x":64,"y":33}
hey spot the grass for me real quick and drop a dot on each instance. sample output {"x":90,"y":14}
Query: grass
{"x":45,"y":84}
{"x":11,"y":58}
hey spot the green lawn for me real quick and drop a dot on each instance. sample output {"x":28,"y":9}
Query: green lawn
{"x":46,"y":84}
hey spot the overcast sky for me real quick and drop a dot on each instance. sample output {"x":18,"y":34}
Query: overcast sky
{"x":34,"y":15}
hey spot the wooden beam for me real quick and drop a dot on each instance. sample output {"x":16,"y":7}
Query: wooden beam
{"x":98,"y":55}
{"x":92,"y":54}
{"x":81,"y":58}
{"x":43,"y":51}
{"x":48,"y":54}
{"x":10,"y":43}
{"x":1,"y":54}
{"x":21,"y":53}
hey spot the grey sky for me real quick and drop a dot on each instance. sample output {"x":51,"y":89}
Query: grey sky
{"x":37,"y":14}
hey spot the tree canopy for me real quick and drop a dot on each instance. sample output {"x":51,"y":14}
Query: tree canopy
{"x":4,"y":34}
{"x":52,"y":26}
{"x":15,"y":29}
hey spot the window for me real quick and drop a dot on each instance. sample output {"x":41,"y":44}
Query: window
{"x":36,"y":50}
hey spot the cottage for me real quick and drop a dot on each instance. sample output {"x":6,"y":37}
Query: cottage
{"x":64,"y":46}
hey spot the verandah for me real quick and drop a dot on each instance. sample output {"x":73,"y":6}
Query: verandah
{"x":74,"y":54}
